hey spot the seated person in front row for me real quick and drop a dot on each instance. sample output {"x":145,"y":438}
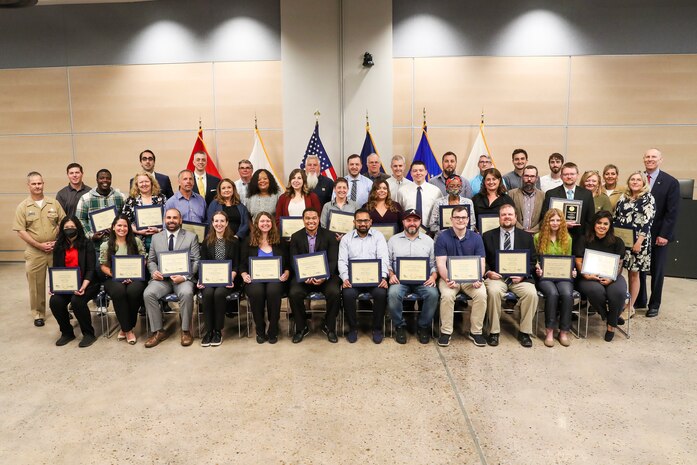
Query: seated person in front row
{"x":508,"y":237}
{"x":172,"y":238}
{"x":313,"y":238}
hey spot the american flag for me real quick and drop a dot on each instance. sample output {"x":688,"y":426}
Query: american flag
{"x":315,"y":147}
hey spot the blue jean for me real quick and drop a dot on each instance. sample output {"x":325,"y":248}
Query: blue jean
{"x":396,"y":293}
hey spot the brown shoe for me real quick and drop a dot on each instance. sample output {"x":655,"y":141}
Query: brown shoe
{"x":187,"y":339}
{"x":156,"y":338}
{"x":564,"y":339}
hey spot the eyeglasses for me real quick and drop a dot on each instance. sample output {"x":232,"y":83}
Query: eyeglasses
{"x":147,"y":159}
{"x":460,"y":218}
{"x":362,"y":221}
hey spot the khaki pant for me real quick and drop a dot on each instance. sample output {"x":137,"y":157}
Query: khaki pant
{"x":36,"y":265}
{"x":527,"y":298}
{"x":447,"y":306}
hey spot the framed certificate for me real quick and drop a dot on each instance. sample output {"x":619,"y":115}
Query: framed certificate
{"x":628,"y":236}
{"x":197,"y":228}
{"x":265,"y":269}
{"x":173,"y":263}
{"x":513,"y":262}
{"x":387,"y":229}
{"x":412,"y":270}
{"x":487,"y":222}
{"x":64,"y":280}
{"x":465,"y":269}
{"x":602,"y":264}
{"x":290,"y":225}
{"x":570,"y":209}
{"x":100,"y":220}
{"x":365,"y":272}
{"x":557,"y":267}
{"x":215,"y":273}
{"x":311,"y":265}
{"x":446,"y":213}
{"x":340,"y":222}
{"x":149,"y":216}
{"x":128,"y":267}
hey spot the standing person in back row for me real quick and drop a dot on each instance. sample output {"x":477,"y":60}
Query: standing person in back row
{"x":666,"y":192}
{"x":204,"y":184}
{"x":420,"y":195}
{"x":569,"y":190}
{"x":102,"y":196}
{"x":70,"y":195}
{"x":514,"y":179}
{"x":449,"y":163}
{"x":147,"y":162}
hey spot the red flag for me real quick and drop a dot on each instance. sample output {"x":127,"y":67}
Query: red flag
{"x":199,"y":146}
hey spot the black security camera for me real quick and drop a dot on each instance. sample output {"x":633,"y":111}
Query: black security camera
{"x":367,"y":60}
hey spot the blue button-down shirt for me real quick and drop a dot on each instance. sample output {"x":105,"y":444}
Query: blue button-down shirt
{"x":353,"y":246}
{"x":400,"y":245}
{"x":193,"y":209}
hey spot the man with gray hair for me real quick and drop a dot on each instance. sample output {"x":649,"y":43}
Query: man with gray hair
{"x":397,"y":180}
{"x":191,"y":205}
{"x":245,"y":169}
{"x":316,"y":181}
{"x":373,"y":164}
{"x":483,"y":164}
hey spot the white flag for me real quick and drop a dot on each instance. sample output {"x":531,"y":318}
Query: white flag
{"x":260,"y":158}
{"x":478,"y":149}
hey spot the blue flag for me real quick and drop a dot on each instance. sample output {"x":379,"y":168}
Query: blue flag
{"x":424,"y":153}
{"x":368,"y":148}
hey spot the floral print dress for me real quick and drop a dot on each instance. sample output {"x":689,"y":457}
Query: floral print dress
{"x":637,"y":214}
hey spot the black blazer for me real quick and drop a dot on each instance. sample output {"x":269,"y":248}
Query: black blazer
{"x":666,"y":192}
{"x":325,"y":241}
{"x":163,"y":181}
{"x":211,"y":186}
{"x":521,"y":240}
{"x":324,"y":189}
{"x":588,"y":209}
{"x":246,"y":251}
{"x":232,"y":252}
{"x":86,"y":260}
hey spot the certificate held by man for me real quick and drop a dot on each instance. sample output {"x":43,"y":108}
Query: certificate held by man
{"x":513,"y":262}
{"x":412,"y":270}
{"x":101,"y":219}
{"x":340,"y":222}
{"x":311,"y":265}
{"x":365,"y":272}
{"x":148,"y":216}
{"x":215,"y":273}
{"x":465,"y":269}
{"x":128,"y":267}
{"x":64,"y":280}
{"x":265,"y":269}
{"x":174,"y":263}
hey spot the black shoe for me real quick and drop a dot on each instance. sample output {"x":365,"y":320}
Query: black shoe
{"x":493,"y":339}
{"x":525,"y":340}
{"x":444,"y":340}
{"x":609,"y":335}
{"x":401,"y":335}
{"x":300,"y":335}
{"x":141,"y":311}
{"x":39,"y":322}
{"x":424,"y":335}
{"x":652,"y":312}
{"x":63,"y":340}
{"x":478,"y":340}
{"x":273,"y":339}
{"x":620,"y":321}
{"x":87,"y":340}
{"x":331,"y":334}
{"x":230,"y":314}
{"x":206,"y":341}
{"x":217,"y":338}
{"x":261,"y":339}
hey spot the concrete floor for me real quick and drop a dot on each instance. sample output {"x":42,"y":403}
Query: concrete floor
{"x":629,"y":402}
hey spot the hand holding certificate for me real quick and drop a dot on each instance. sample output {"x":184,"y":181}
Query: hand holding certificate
{"x":365,"y":273}
{"x":557,"y":267}
{"x":128,"y":267}
{"x":148,"y":216}
{"x":340,"y":222}
{"x":513,"y":262}
{"x":291,"y":225}
{"x":101,"y":219}
{"x":601,"y":264}
{"x":64,"y":280}
{"x":215,"y":273}
{"x":265,"y":269}
{"x":628,"y":236}
{"x":412,"y":270}
{"x":465,"y":269}
{"x":174,"y":263}
{"x":311,"y":266}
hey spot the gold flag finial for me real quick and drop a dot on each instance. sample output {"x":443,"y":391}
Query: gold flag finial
{"x":199,"y":124}
{"x":255,"y":120}
{"x":424,"y":116}
{"x":317,"y":116}
{"x":482,"y":115}
{"x":367,"y":120}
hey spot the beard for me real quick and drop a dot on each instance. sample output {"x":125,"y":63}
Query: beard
{"x":312,"y":180}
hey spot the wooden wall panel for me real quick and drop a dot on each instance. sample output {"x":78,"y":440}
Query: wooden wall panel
{"x":10,"y":243}
{"x":34,"y":101}
{"x":611,"y":90}
{"x":243,"y":89}
{"x":141,"y":97}
{"x":234,"y":146}
{"x":402,"y":145}
{"x":511,"y":91}
{"x":48,"y":155}
{"x":402,"y":91}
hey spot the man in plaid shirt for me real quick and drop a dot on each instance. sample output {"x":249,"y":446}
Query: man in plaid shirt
{"x":101,"y":196}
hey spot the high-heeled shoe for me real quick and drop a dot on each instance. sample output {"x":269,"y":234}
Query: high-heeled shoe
{"x":131,"y":338}
{"x":121,"y":336}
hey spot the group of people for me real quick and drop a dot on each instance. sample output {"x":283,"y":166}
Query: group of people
{"x":432,"y":220}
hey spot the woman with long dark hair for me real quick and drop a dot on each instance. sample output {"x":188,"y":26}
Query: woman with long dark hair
{"x":262,"y":192}
{"x":492,"y":195}
{"x":228,"y":200}
{"x":381,"y":207}
{"x":127,"y":295}
{"x":74,"y":250}
{"x":220,"y":244}
{"x":297,"y":197}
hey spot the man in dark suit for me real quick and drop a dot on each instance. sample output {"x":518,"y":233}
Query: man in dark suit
{"x":311,"y":239}
{"x":147,"y":162}
{"x":508,"y":237}
{"x":666,"y":191}
{"x":569,"y":190}
{"x":204,"y":184}
{"x":319,"y":183}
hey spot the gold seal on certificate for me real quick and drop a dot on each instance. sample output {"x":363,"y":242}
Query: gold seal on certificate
{"x":215,"y":273}
{"x":291,"y":225}
{"x":265,"y":269}
{"x":388,"y":229}
{"x":101,"y":219}
{"x":340,"y":222}
{"x":513,"y":262}
{"x":465,"y":269}
{"x":628,"y":236}
{"x":148,"y":216}
{"x":557,"y":267}
{"x":365,"y":272}
{"x":174,"y":263}
{"x":487,"y":222}
{"x":128,"y":267}
{"x":64,"y":280}
{"x":412,"y":270}
{"x":605,"y":265}
{"x":197,"y":228}
{"x":311,"y":265}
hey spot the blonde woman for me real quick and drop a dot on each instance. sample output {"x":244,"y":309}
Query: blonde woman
{"x":145,"y":191}
{"x":591,"y":181}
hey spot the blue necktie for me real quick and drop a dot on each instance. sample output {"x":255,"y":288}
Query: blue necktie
{"x":171,"y":242}
{"x":570,"y":194}
{"x":419,"y":201}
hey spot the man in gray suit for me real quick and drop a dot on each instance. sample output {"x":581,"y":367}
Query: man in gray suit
{"x":173,"y":238}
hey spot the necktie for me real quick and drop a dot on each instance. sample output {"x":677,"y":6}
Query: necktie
{"x":354,"y":189}
{"x":570,"y":194}
{"x":648,"y":177}
{"x":201,"y":189}
{"x":171,"y":242}
{"x":419,"y":201}
{"x":507,"y":241}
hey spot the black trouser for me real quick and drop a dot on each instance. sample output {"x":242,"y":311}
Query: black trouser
{"x":331,"y":289}
{"x":379,"y":301}
{"x":557,"y":299}
{"x":611,"y":297}
{"x":267,"y":295}
{"x":59,"y":308}
{"x":127,"y":298}
{"x":659,"y":256}
{"x":214,"y":307}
